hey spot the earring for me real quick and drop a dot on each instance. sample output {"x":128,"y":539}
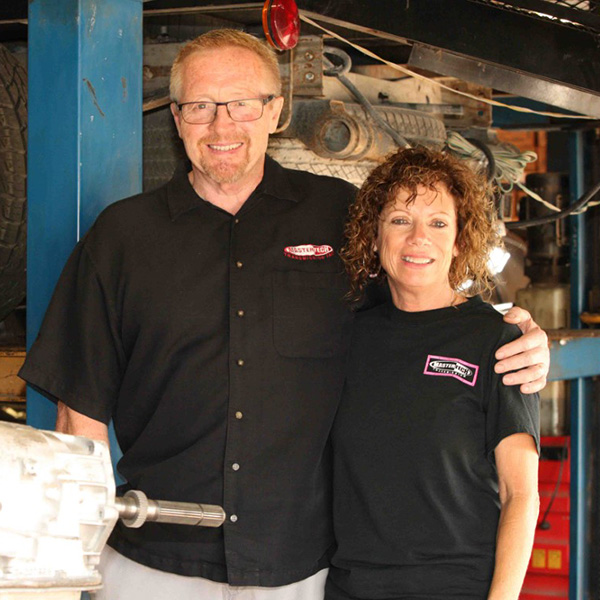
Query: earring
{"x":377,"y":273}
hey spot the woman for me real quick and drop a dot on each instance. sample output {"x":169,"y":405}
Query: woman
{"x":435,"y":480}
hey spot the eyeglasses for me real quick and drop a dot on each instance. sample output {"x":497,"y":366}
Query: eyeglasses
{"x":202,"y":113}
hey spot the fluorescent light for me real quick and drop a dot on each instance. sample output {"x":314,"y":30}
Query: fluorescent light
{"x":497,"y":260}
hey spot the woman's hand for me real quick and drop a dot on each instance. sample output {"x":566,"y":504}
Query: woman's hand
{"x":528,"y":356}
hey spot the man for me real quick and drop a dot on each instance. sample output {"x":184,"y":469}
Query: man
{"x":207,"y":319}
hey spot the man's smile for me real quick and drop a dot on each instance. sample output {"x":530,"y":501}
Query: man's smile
{"x":224,"y":147}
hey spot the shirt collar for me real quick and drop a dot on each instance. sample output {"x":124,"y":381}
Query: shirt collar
{"x":181,"y":196}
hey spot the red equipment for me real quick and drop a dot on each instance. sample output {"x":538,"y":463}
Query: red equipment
{"x":281,"y":23}
{"x":548,"y":573}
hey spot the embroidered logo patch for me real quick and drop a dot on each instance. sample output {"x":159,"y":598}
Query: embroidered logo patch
{"x":444,"y":366}
{"x":308,"y":252}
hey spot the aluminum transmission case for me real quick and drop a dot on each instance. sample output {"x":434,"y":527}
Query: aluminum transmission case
{"x":57,"y":509}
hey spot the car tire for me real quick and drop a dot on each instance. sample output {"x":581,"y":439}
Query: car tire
{"x":13,"y":181}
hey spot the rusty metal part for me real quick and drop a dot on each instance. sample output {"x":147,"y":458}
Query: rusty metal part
{"x":152,"y":71}
{"x":286,"y":62}
{"x":590,"y":318}
{"x":307,"y":79}
{"x":338,"y":130}
{"x":374,"y":116}
{"x":564,"y":336}
{"x":156,"y":101}
{"x":330,"y":131}
{"x":12,"y":387}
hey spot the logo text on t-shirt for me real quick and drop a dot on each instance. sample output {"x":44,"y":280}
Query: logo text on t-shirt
{"x":445,"y":366}
{"x":308,"y":251}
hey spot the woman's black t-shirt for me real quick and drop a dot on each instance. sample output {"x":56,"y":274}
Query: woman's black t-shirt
{"x":416,"y":503}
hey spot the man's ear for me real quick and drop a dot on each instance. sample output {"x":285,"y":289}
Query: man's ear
{"x":276,"y":108}
{"x":176,"y":117}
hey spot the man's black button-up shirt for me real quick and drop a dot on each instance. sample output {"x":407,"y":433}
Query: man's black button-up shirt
{"x":217,"y":344}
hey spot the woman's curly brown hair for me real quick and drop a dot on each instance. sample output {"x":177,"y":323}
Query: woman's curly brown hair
{"x":407,"y":169}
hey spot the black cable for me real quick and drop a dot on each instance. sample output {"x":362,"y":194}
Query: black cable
{"x":559,"y":215}
{"x":333,"y":71}
{"x":543,"y":523}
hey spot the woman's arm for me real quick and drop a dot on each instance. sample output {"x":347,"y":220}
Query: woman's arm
{"x":517,"y":462}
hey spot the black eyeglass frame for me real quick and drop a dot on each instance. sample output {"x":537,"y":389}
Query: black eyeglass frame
{"x":264,"y":101}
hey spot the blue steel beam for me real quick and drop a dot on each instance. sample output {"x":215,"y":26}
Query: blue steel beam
{"x":85,"y":136}
{"x":574,"y":357}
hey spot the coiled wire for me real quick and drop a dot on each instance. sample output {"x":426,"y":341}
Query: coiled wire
{"x":509,"y":166}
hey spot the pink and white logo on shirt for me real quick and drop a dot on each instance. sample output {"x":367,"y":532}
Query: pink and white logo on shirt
{"x":445,"y":366}
{"x":308,"y":251}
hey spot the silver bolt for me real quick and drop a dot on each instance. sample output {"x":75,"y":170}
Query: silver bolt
{"x":309,"y":55}
{"x":309,"y":76}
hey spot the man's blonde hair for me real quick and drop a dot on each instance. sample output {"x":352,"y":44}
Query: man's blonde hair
{"x":224,"y":38}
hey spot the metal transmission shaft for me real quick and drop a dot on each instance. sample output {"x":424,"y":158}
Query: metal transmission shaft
{"x":135,"y":509}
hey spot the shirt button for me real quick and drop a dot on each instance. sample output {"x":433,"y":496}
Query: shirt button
{"x":235,"y":467}
{"x":240,"y":313}
{"x":238,"y":415}
{"x":240,"y":362}
{"x":236,"y":221}
{"x":233,"y":518}
{"x":239,"y":264}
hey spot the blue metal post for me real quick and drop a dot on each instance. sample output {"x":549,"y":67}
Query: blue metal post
{"x":580,"y":395}
{"x":85,"y":136}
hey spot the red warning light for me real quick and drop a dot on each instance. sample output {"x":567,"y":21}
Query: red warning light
{"x":281,"y":23}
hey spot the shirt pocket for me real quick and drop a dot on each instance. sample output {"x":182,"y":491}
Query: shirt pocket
{"x":311,"y":318}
